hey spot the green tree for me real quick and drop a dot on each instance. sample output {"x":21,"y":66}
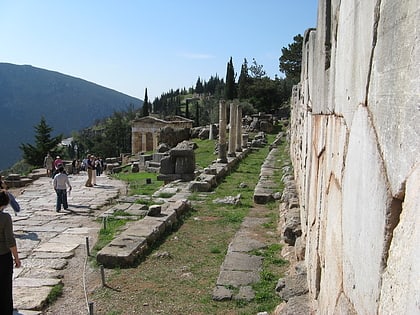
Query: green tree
{"x":291,"y":60}
{"x":243,"y":81}
{"x":199,"y":89}
{"x":44,"y":143}
{"x":257,"y":71}
{"x":145,"y":105}
{"x":230,"y":89}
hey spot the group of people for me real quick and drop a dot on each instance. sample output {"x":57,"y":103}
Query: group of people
{"x":8,"y":248}
{"x":55,"y":168}
{"x":52,"y":165}
{"x":94,"y":167}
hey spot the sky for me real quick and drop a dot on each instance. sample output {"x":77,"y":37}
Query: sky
{"x":131,"y":45}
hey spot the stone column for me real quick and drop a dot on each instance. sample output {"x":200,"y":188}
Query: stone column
{"x":239,"y":129}
{"x":211,"y":133}
{"x":232,"y":130}
{"x":222,"y":132}
{"x":135,"y":140}
{"x":155,"y":139}
{"x":143,"y":141}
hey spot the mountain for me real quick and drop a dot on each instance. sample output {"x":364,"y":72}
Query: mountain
{"x":67,"y":103}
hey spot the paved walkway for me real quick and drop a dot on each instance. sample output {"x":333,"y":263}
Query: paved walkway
{"x":47,"y":239}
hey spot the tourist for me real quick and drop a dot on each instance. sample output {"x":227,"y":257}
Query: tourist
{"x":61,"y":181}
{"x":48,"y":164}
{"x":12,"y":200}
{"x":2,"y":183}
{"x":98,"y":166}
{"x":93,"y":163}
{"x":89,"y":168}
{"x":8,"y":251}
{"x":58,"y":162}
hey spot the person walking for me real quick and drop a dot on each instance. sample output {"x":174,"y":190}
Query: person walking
{"x":93,"y":162}
{"x":8,"y":251}
{"x":89,"y":169}
{"x":49,"y":164}
{"x":61,"y":181}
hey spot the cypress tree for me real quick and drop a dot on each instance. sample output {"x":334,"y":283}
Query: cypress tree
{"x":243,"y":81}
{"x":230,"y":92}
{"x":145,"y":105}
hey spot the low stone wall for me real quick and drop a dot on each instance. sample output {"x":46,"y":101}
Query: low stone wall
{"x":138,"y":237}
{"x":135,"y":241}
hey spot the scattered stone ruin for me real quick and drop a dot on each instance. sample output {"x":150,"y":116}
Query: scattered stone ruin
{"x":355,"y":148}
{"x":179,"y":164}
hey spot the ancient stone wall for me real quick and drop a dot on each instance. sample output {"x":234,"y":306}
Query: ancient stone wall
{"x":356,"y":153}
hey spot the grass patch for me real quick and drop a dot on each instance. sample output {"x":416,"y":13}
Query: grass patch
{"x":137,"y":182}
{"x":113,"y":226}
{"x":204,"y":154}
{"x":55,"y":293}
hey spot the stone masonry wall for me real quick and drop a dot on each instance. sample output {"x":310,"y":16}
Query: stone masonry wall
{"x":356,"y":153}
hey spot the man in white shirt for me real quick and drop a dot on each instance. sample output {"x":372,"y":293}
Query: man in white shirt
{"x":61,"y":181}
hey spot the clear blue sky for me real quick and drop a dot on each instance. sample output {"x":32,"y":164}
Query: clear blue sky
{"x":133,"y":44}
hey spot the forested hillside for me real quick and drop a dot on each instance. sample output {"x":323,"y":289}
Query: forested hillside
{"x":67,"y":103}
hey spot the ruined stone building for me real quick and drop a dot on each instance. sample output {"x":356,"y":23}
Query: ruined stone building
{"x":146,"y":131}
{"x":355,"y":146}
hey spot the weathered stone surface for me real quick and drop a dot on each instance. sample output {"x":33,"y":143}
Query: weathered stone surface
{"x":292,"y":228}
{"x":154,"y":210}
{"x":33,"y":301}
{"x":196,"y":186}
{"x":292,"y":286}
{"x":220,"y":293}
{"x":237,"y":278}
{"x":35,"y":282}
{"x":354,"y":147}
{"x":242,"y":262}
{"x":399,"y":294}
{"x":122,"y":251}
{"x":297,"y":305}
{"x":243,"y":242}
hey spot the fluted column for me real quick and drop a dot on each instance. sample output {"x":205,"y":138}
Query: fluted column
{"x":239,"y":129}
{"x":222,"y":132}
{"x":232,"y":130}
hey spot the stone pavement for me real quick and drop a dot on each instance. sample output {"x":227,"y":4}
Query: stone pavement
{"x":47,"y":239}
{"x":241,"y":269}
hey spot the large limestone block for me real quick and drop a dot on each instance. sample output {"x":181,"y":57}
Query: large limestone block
{"x":331,"y":251}
{"x":401,"y":280}
{"x":335,"y":147}
{"x":352,"y":53}
{"x":395,"y":88}
{"x":365,"y":201}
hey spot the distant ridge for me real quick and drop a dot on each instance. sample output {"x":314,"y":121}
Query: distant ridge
{"x":67,"y":103}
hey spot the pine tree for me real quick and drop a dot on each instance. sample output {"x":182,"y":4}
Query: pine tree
{"x":291,"y":60}
{"x":34,"y":154}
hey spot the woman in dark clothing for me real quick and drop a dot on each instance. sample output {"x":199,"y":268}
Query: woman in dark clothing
{"x":8,"y":251}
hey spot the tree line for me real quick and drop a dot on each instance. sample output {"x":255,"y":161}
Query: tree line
{"x":254,"y":90}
